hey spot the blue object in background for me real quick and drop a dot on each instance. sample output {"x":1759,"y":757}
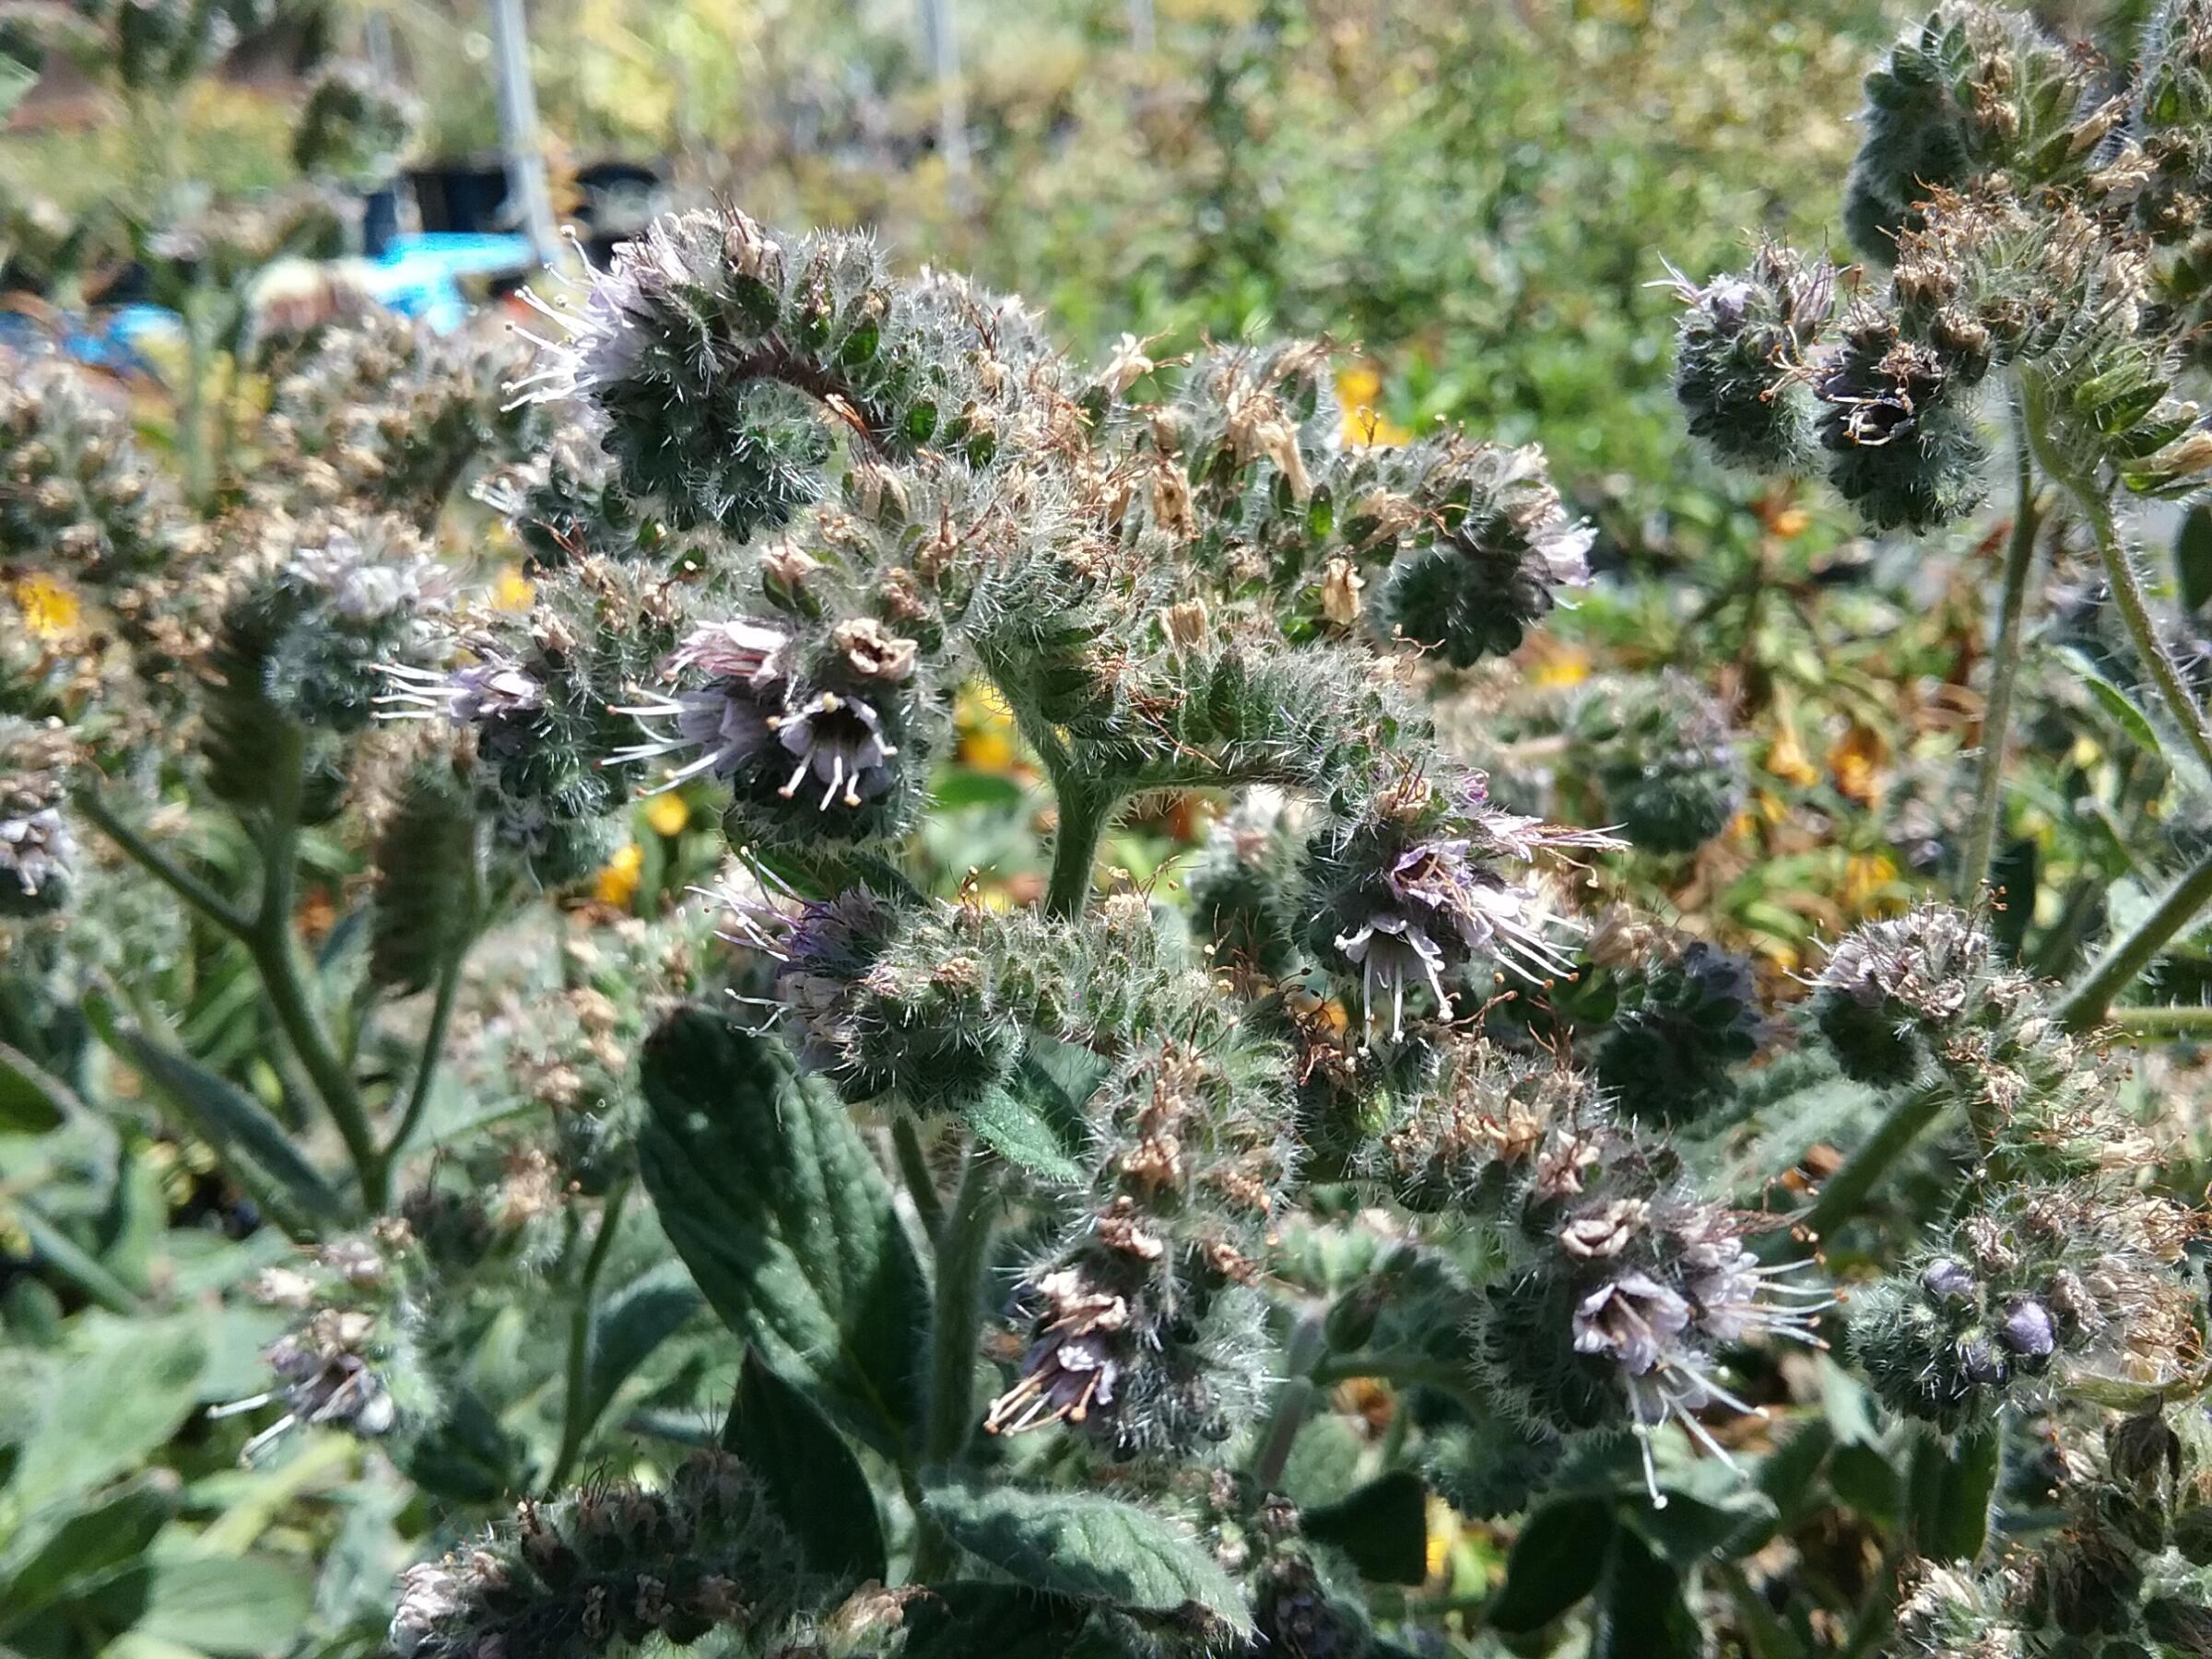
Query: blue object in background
{"x":416,"y":275}
{"x":107,"y":339}
{"x":420,"y":275}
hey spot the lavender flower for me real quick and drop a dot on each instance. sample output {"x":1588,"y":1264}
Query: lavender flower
{"x":1660,"y":1324}
{"x":599,"y":341}
{"x":839,"y":740}
{"x":1443,"y":908}
{"x":1075,"y":1362}
{"x":727,"y":722}
{"x":36,"y":856}
{"x":493,"y":688}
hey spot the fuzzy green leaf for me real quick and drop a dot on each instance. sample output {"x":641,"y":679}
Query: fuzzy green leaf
{"x":1952,"y":1487}
{"x":42,"y":1562}
{"x":233,"y":1123}
{"x":1557,"y":1560}
{"x":770,"y":1195}
{"x":1022,"y":1135}
{"x":1082,"y":1545}
{"x":2114,"y":702}
{"x":1006,"y":1621}
{"x":33,"y":1099}
{"x":812,"y":1476}
{"x":627,"y":1326}
{"x":120,"y":1391}
{"x":1641,"y":1613}
{"x":218,"y":1604}
{"x":1383,"y":1528}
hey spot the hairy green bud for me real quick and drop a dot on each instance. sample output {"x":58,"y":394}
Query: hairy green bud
{"x":1741,"y":357}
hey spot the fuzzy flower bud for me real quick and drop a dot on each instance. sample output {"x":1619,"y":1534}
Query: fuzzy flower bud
{"x":605,"y":1569}
{"x":1741,"y":358}
{"x":37,"y":854}
{"x":1890,"y":989}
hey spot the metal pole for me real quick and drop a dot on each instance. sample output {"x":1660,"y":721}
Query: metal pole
{"x":526,"y":188}
{"x":940,"y":35}
{"x":1140,"y":25}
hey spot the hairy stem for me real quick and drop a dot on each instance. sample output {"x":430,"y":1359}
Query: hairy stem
{"x":914,"y":1169}
{"x":2190,"y":1019}
{"x":61,"y":1255}
{"x":1301,"y":1387}
{"x":2004,"y":670}
{"x":426,"y":1063}
{"x":275,"y":954}
{"x":963,"y":1242}
{"x":2085,"y":1005}
{"x":573,"y":1428}
{"x":2127,"y":587}
{"x":956,"y":1326}
{"x":1083,"y":814}
{"x":157,"y":863}
{"x":1843,"y":1192}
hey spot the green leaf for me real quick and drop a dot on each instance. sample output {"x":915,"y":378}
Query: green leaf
{"x":2193,"y":557}
{"x":234,"y":1123}
{"x":1952,"y":1486}
{"x":33,"y":1099}
{"x":17,"y":80}
{"x":1004,"y":1621}
{"x":221,"y":1605}
{"x":1864,"y":1480}
{"x":2113,"y":700}
{"x":812,"y":1476}
{"x":627,"y":1326}
{"x":1382,"y":1527}
{"x":1021,"y":1134}
{"x":1641,"y":1613}
{"x":1082,"y":1545}
{"x":770,"y":1195}
{"x":963,"y":786}
{"x":1557,"y":1560}
{"x":122,"y":1388}
{"x":43,"y":1563}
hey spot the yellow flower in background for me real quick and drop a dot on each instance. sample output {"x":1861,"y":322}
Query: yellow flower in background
{"x":986,"y":728}
{"x":1856,"y":760}
{"x":1787,"y":759}
{"x":667,"y":813}
{"x":618,"y":881}
{"x":1552,"y":664}
{"x":513,"y":591}
{"x":1866,"y":877}
{"x":50,"y":610}
{"x":1443,"y":1533}
{"x":1358,"y":387}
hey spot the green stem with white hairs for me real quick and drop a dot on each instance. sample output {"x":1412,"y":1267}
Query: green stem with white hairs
{"x":2003,"y":669}
{"x":2091,"y":997}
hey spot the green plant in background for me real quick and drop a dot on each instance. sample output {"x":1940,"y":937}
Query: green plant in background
{"x":1405,"y":1224}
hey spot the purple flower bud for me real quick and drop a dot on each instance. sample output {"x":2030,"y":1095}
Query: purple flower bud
{"x":2028,"y":1329}
{"x":1983,"y":1364}
{"x":1947,"y":1281}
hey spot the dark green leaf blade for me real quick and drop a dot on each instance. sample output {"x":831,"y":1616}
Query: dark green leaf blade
{"x":812,"y":1476}
{"x":770,"y":1195}
{"x":1383,"y":1528}
{"x":233,"y":1123}
{"x":1641,"y":1612}
{"x":627,"y":1326}
{"x":1082,"y":1545}
{"x":1557,"y":1560}
{"x":1021,"y":1134}
{"x":33,"y":1099}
